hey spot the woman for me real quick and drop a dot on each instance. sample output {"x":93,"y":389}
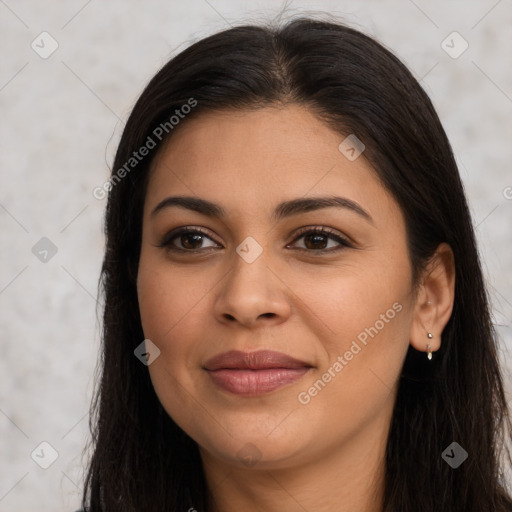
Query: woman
{"x":295,"y":311}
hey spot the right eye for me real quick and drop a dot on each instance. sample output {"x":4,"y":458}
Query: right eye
{"x":189,"y":239}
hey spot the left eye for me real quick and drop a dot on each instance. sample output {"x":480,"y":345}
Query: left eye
{"x":318,"y":239}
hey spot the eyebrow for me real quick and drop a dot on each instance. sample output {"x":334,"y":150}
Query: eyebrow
{"x":283,"y":210}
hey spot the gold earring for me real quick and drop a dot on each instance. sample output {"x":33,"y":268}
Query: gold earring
{"x":429,"y":350}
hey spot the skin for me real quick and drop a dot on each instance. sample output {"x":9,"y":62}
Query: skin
{"x":289,"y":299}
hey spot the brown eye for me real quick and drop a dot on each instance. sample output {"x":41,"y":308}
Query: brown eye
{"x":317,"y":240}
{"x":186,"y":240}
{"x":191,"y":240}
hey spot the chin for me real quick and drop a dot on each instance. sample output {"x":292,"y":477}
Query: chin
{"x":255,"y":452}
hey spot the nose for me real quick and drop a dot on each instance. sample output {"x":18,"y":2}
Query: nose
{"x":252,"y":294}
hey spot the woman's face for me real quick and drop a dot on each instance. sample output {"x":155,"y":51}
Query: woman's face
{"x":340,"y":303}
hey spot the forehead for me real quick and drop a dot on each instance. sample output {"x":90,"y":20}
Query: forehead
{"x":257,"y":157}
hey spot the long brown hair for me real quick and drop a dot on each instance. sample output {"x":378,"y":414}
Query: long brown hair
{"x":142,"y":461}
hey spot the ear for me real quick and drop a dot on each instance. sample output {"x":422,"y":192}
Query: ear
{"x":434,"y":300}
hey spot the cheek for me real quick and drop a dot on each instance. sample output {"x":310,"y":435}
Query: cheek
{"x":173,"y":308}
{"x":365,"y":316}
{"x":168,"y":297}
{"x":358,"y":303}
{"x":363,"y":349}
{"x":169,"y":306}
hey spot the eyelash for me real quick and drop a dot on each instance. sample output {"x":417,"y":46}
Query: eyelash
{"x":166,"y":241}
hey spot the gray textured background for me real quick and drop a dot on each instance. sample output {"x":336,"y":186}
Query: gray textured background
{"x":61,"y":120}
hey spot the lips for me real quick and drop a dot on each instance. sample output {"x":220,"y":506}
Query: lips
{"x":261,"y":360}
{"x":254,"y":373}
